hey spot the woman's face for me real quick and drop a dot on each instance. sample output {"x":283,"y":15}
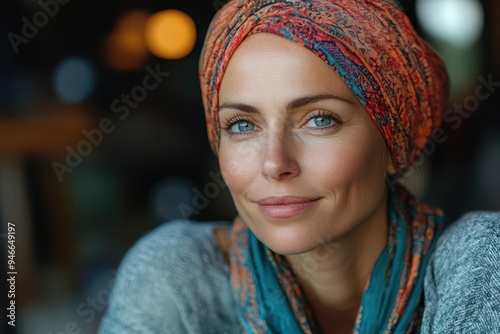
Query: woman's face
{"x":303,"y":160}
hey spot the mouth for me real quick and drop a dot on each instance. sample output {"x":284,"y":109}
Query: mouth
{"x":286,"y":206}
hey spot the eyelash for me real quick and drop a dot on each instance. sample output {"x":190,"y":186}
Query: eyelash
{"x":325,"y":114}
{"x":226,"y":125}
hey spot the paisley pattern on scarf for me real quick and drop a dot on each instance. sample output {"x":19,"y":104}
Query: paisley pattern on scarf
{"x":371,"y":44}
{"x":271,"y":299}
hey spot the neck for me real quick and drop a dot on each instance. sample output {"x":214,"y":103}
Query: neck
{"x":333,"y":276}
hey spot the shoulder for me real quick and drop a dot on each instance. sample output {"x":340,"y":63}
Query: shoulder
{"x":462,"y":281}
{"x":479,"y":230}
{"x":170,"y":278}
{"x":175,"y":241}
{"x":468,"y":247}
{"x":173,"y":249}
{"x":476,"y":235}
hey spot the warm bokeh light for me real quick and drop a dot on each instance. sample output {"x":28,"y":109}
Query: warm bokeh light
{"x":74,"y":80}
{"x":126,"y":47}
{"x":170,"y":34}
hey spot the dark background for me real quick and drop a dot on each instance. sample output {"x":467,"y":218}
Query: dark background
{"x":72,"y":232}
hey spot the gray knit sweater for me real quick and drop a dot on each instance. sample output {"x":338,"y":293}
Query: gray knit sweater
{"x":175,"y":280}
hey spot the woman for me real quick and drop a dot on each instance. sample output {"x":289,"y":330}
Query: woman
{"x":314,"y":108}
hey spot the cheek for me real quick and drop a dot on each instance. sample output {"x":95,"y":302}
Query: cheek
{"x":238,"y":165}
{"x":349,"y":162}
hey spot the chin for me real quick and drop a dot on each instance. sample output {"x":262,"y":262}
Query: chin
{"x":288,"y":248}
{"x":290,"y":239}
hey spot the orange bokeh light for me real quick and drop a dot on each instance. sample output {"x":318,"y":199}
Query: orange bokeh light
{"x":126,"y":47}
{"x":170,"y":34}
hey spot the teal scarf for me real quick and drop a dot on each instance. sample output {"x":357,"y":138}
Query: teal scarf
{"x":271,"y":299}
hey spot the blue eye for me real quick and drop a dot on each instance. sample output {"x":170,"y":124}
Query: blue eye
{"x":320,"y":122}
{"x":242,"y":126}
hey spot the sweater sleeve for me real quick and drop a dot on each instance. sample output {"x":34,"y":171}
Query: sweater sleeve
{"x":171,"y":281}
{"x":462,"y":283}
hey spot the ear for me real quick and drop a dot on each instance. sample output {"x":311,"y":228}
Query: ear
{"x":390,"y":169}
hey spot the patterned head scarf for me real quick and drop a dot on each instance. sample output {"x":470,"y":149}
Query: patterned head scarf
{"x":401,"y":82}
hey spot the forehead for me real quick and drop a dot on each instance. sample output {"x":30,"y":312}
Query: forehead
{"x":263,"y":61}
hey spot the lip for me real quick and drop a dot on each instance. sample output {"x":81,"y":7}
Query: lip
{"x":286,"y":206}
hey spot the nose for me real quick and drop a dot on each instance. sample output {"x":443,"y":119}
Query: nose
{"x":280,"y":159}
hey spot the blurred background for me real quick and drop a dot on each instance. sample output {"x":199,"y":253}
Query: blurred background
{"x":102,"y":138}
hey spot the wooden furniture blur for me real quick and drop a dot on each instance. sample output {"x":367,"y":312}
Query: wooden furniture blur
{"x":44,"y":138}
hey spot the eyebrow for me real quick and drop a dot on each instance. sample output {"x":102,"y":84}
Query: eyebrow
{"x":292,"y":105}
